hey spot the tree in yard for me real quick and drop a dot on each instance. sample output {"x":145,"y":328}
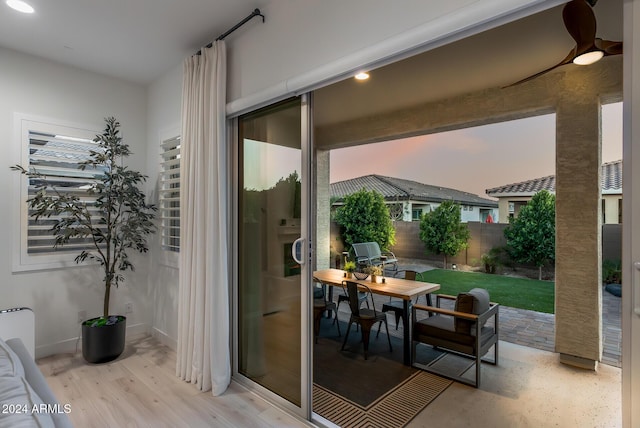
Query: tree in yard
{"x":531,"y":237}
{"x":442,"y":231}
{"x":364,"y":217}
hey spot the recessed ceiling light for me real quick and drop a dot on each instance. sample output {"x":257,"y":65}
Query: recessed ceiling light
{"x":363,"y":75}
{"x":20,"y":6}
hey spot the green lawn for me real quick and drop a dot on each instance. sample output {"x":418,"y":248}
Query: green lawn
{"x":513,"y":292}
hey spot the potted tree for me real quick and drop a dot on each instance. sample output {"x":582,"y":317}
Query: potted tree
{"x":117,"y":222}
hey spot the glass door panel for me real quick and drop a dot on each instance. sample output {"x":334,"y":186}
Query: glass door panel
{"x":270,"y":220}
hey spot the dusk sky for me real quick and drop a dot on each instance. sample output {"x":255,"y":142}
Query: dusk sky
{"x":473,"y":159}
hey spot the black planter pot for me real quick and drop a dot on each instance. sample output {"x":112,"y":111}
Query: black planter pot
{"x":104,"y":343}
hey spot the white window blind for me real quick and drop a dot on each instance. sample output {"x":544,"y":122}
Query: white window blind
{"x":169,"y":198}
{"x":57,"y":158}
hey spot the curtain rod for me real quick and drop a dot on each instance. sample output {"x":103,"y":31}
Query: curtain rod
{"x":256,"y":12}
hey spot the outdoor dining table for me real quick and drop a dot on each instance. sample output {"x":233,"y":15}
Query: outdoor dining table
{"x":404,"y":289}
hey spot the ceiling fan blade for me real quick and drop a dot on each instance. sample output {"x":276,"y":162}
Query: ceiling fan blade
{"x":580,"y":22}
{"x":609,"y":47}
{"x":566,"y":60}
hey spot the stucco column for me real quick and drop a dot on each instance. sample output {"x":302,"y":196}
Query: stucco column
{"x":323,"y":210}
{"x":578,"y":303}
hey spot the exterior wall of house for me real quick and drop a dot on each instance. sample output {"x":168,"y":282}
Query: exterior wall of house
{"x":505,"y":204}
{"x":611,"y":212}
{"x":610,"y":208}
{"x":631,"y":223}
{"x":39,"y":87}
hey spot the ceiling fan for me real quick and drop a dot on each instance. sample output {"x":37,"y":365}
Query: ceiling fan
{"x":580,"y":22}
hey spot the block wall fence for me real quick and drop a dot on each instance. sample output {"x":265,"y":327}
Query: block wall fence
{"x":484,"y":237}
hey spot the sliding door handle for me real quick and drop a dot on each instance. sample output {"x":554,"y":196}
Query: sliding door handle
{"x":296,"y":251}
{"x":636,"y":288}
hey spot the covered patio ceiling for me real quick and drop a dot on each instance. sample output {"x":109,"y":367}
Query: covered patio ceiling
{"x":492,"y":59}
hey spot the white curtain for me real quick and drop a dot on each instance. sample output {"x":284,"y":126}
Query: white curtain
{"x":203,"y":310}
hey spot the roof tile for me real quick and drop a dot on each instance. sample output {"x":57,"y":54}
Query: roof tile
{"x":611,"y":180}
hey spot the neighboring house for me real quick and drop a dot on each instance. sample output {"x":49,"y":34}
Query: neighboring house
{"x":512,"y":197}
{"x":408,"y":199}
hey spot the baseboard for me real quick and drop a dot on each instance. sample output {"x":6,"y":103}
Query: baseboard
{"x":164,"y":338}
{"x":73,"y":345}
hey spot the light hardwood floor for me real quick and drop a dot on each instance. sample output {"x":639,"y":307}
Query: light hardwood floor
{"x":529,"y":388}
{"x":140,"y":389}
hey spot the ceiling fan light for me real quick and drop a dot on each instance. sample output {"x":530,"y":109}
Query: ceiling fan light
{"x":588,"y":57}
{"x":20,"y":6}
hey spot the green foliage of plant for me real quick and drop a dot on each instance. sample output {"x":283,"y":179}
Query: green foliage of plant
{"x":364,"y":217}
{"x":442,"y":231}
{"x":350,"y":266}
{"x":494,"y":259}
{"x":373,"y":270}
{"x":513,"y":292}
{"x":120,"y":219}
{"x":611,"y":272}
{"x":531,"y":237}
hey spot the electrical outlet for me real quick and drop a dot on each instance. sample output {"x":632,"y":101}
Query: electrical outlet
{"x":128,"y":308}
{"x":82,"y":315}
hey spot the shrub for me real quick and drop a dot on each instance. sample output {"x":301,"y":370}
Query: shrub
{"x":364,"y":217}
{"x":442,"y":231}
{"x":611,"y":272}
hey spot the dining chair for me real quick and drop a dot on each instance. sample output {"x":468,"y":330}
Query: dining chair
{"x":320,"y":306}
{"x":397,"y":305}
{"x":366,"y":318}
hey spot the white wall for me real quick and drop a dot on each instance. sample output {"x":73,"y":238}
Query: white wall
{"x":33,"y":86}
{"x":164,"y":101}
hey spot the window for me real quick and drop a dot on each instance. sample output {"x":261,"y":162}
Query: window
{"x":169,"y":198}
{"x":604,"y":211}
{"x":54,"y":151}
{"x":416,"y":214}
{"x":620,"y":211}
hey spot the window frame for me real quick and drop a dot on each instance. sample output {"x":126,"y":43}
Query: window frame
{"x":167,"y":257}
{"x":23,"y":125}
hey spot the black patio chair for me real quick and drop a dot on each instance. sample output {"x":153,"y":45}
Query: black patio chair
{"x":364,"y":317}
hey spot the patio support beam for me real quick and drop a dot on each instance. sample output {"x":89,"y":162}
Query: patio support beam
{"x":322,"y":244}
{"x":578,"y":305}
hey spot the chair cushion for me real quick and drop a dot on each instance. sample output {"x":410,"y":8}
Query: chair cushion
{"x":439,"y":330}
{"x":10,"y":364}
{"x":476,"y":301}
{"x":25,"y":407}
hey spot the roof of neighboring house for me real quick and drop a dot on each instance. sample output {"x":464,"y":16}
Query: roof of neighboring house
{"x":403,"y":190}
{"x":611,"y":183}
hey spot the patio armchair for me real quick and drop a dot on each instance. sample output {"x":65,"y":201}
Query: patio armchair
{"x":368,"y":253}
{"x":465,"y":331}
{"x":366,"y":318}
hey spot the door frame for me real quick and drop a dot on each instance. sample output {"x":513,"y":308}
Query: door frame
{"x":306,"y":325}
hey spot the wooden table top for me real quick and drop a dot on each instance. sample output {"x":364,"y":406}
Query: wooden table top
{"x":405,"y":289}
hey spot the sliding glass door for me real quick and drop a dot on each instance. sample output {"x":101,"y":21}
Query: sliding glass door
{"x":273,"y":270}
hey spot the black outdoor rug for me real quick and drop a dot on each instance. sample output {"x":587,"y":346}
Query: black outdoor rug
{"x":378,"y":392}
